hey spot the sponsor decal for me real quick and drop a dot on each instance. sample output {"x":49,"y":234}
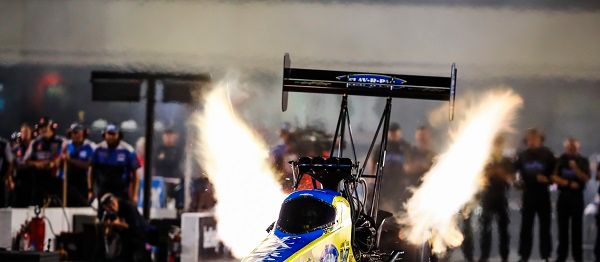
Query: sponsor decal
{"x":345,"y":251}
{"x":330,"y":254}
{"x":371,"y":80}
{"x":83,"y":154}
{"x":121,"y":157}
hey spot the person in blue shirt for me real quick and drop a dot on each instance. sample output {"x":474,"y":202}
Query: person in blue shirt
{"x":113,"y":166}
{"x":44,"y":155}
{"x":78,"y":155}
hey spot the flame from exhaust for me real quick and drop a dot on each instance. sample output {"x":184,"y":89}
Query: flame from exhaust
{"x":432,"y":211}
{"x":236,"y":161}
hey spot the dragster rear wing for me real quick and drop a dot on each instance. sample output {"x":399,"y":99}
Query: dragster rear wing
{"x":367,"y":84}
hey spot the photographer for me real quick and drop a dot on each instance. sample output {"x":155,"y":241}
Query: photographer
{"x":123,"y":230}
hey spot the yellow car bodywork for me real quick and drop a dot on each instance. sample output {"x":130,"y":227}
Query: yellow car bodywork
{"x":330,"y":244}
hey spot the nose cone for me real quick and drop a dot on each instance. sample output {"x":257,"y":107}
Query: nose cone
{"x":280,"y":246}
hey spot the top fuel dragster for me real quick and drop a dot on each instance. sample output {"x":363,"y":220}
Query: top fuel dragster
{"x":333,"y":222}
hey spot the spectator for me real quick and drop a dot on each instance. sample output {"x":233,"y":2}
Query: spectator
{"x":499,"y":175}
{"x":394,"y":184}
{"x":420,"y":158}
{"x":571,"y":174}
{"x":24,"y":173}
{"x":466,"y":226}
{"x":44,"y":154}
{"x":167,"y":164}
{"x":6,"y":167}
{"x":168,"y":156}
{"x":113,"y":166}
{"x":535,"y":165}
{"x":279,"y":155}
{"x":78,"y":154}
{"x":597,"y":245}
{"x":140,"y":151}
{"x":279,"y":151}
